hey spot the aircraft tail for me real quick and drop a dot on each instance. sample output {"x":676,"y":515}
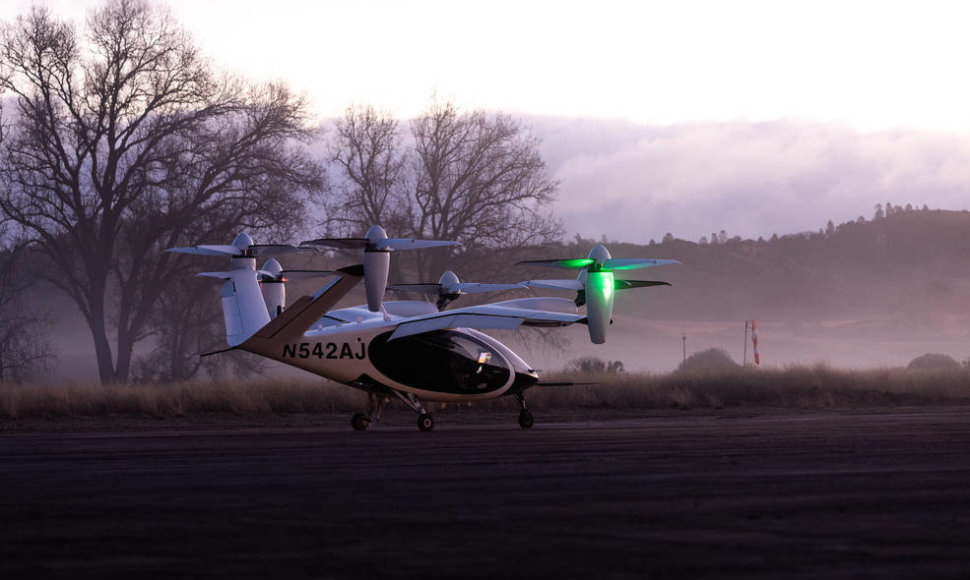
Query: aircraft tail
{"x":297,"y":318}
{"x":243,"y":306}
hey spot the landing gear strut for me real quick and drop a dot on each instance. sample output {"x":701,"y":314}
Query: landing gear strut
{"x":425,"y":420}
{"x":525,"y":417}
{"x":375,"y":407}
{"x":378,"y":401}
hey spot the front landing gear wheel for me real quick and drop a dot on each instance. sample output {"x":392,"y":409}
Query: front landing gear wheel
{"x":359,"y":421}
{"x":525,"y":419}
{"x":425,"y":422}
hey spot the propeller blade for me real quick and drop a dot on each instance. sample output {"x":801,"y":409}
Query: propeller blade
{"x":555,"y":284}
{"x":628,"y":284}
{"x":220,"y":275}
{"x":429,"y":289}
{"x":476,"y":287}
{"x":570,"y":263}
{"x":342,"y":243}
{"x":410,"y":244}
{"x":276,"y":249}
{"x":305,"y":274}
{"x":208,"y":250}
{"x":634,"y":263}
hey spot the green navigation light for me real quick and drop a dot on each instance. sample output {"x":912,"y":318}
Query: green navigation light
{"x":575,"y":263}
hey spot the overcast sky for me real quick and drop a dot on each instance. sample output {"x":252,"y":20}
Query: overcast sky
{"x":688,"y":117}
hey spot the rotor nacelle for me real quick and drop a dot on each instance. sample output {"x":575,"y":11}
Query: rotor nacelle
{"x":377,"y":260}
{"x":596,"y":285}
{"x":449,"y":288}
{"x":250,"y":297}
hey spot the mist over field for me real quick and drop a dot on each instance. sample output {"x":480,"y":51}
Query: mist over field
{"x":876,"y":293}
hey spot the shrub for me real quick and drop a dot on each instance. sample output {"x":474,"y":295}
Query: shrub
{"x":591,"y":364}
{"x":710,"y":360}
{"x":933,"y":362}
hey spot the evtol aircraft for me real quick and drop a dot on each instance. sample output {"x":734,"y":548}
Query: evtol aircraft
{"x":411,"y":350}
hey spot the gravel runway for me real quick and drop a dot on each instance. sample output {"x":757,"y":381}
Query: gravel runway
{"x":720,"y":495}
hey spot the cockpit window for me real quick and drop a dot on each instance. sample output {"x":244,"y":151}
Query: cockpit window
{"x":443,"y":360}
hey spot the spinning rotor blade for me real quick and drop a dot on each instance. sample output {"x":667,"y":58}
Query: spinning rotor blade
{"x":428,"y":289}
{"x":238,"y":250}
{"x":410,"y":244}
{"x":305,"y":274}
{"x":569,"y":263}
{"x":220,"y":275}
{"x":476,"y":287}
{"x":628,"y":284}
{"x":633,"y":263}
{"x":555,"y":284}
{"x":341,"y":243}
{"x":275,"y":249}
{"x":207,"y":250}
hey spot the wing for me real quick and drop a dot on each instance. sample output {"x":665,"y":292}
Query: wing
{"x":501,"y":315}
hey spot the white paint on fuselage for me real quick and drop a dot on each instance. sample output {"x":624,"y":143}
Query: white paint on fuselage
{"x":341,"y":352}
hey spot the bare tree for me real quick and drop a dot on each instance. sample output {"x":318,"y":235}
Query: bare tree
{"x":476,"y":178}
{"x":369,"y":154}
{"x":25,"y":348}
{"x":184,"y":326}
{"x":479,"y":180}
{"x":125,"y":142}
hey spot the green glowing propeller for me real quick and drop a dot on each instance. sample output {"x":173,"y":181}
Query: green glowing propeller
{"x":595,"y":285}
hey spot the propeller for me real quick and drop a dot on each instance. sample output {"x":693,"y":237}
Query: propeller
{"x":449,"y":288}
{"x":242,"y":255}
{"x":377,"y":260}
{"x":376,"y":240}
{"x":242,"y":247}
{"x":595,"y":284}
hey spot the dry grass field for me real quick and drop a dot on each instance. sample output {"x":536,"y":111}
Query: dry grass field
{"x":795,"y":387}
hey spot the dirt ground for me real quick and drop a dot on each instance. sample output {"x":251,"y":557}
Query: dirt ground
{"x":718,"y":495}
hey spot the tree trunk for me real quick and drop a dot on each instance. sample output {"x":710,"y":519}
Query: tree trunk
{"x":102,"y":349}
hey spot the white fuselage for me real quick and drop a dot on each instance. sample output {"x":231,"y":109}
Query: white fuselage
{"x":351,"y":346}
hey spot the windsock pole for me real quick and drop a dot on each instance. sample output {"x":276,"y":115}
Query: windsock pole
{"x":754,"y":342}
{"x":744,"y":359}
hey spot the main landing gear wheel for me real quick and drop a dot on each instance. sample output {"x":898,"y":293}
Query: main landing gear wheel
{"x":425,"y":422}
{"x":359,"y":421}
{"x":525,"y":417}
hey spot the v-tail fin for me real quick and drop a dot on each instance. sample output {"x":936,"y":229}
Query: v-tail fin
{"x":297,"y":318}
{"x":242,"y":306}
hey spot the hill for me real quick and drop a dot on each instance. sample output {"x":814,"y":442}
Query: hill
{"x":910,"y":267}
{"x":864,"y":293}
